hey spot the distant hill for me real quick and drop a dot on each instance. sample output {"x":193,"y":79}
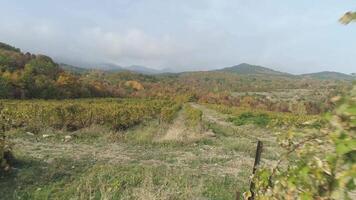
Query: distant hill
{"x":73,"y":69}
{"x":110,"y":67}
{"x":26,"y":75}
{"x":327,"y":75}
{"x":143,"y":69}
{"x":247,"y":69}
{"x":9,"y":47}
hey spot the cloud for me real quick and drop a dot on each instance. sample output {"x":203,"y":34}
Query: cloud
{"x":201,"y":34}
{"x":131,"y":45}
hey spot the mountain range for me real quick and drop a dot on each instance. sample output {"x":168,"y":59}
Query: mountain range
{"x":241,"y":69}
{"x":26,"y":75}
{"x":13,"y":55}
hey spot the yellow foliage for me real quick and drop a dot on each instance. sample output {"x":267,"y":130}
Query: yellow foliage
{"x":134,"y":85}
{"x":66,"y":79}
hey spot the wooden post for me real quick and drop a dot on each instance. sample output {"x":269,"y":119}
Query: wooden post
{"x":255,"y":165}
{"x":238,"y":194}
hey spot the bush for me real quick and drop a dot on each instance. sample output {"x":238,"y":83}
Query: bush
{"x":5,"y":150}
{"x":68,"y":117}
{"x":251,"y":118}
{"x":36,"y":115}
{"x":169,"y":113}
{"x":193,"y":116}
{"x":317,"y":164}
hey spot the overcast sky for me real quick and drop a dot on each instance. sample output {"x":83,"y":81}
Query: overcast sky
{"x":292,"y":36}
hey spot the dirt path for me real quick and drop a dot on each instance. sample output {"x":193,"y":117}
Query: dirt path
{"x":177,"y":131}
{"x":212,"y":116}
{"x":247,"y":131}
{"x":230,"y":155}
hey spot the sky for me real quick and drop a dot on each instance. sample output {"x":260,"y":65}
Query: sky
{"x":291,"y":36}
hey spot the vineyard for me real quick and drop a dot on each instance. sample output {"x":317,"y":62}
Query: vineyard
{"x":242,"y":115}
{"x":72,"y":115}
{"x":171,"y":149}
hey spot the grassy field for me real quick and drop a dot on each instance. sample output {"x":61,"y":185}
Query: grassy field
{"x":199,"y":154}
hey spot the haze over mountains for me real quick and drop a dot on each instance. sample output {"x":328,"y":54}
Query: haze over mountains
{"x":241,"y":69}
{"x":12,"y":57}
{"x":26,"y":75}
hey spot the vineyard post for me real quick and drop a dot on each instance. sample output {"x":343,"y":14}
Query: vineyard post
{"x":238,"y":194}
{"x":255,"y":165}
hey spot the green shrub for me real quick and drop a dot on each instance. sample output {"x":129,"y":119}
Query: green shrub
{"x":5,"y":151}
{"x":251,"y":118}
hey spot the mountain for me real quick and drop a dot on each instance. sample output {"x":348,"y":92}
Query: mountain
{"x":328,"y":75}
{"x":247,"y":69}
{"x":110,"y":67}
{"x":26,"y":75}
{"x":73,"y":69}
{"x":143,"y":69}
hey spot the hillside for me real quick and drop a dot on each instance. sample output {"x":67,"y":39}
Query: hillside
{"x":73,"y":69}
{"x":327,"y":75}
{"x":25,"y":76}
{"x":7,"y":47}
{"x":248,"y":69}
{"x":110,"y":67}
{"x":143,"y":69}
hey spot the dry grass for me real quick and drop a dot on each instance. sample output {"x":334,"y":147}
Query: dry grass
{"x":150,"y":161}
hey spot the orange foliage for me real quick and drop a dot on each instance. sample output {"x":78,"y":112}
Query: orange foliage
{"x":134,"y":85}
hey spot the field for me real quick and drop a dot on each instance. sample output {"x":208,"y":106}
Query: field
{"x":131,"y":149}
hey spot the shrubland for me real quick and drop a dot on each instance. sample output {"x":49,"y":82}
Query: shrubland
{"x":242,"y":115}
{"x":317,"y":164}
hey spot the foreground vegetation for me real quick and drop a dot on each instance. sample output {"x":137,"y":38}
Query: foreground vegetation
{"x":165,"y":149}
{"x":318,"y":164}
{"x":76,"y":114}
{"x":76,"y":149}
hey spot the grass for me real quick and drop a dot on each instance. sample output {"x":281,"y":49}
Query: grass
{"x":81,"y":179}
{"x":99,"y":163}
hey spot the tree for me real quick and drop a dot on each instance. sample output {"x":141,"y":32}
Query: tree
{"x":42,"y":65}
{"x":68,"y":85}
{"x":4,"y":88}
{"x":134,"y":85}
